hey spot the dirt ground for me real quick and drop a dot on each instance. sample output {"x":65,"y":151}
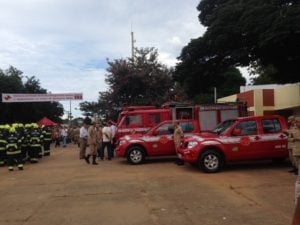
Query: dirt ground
{"x":64,"y":190}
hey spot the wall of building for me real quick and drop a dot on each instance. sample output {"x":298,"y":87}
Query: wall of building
{"x":230,"y":98}
{"x":269,"y":99}
{"x":287,"y":96}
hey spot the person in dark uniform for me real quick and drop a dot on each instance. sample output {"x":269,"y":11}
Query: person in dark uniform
{"x":35,"y":143}
{"x":47,"y":135}
{"x":13,"y":150}
{"x":3,"y":142}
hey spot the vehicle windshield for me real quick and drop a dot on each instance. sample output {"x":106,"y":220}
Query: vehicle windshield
{"x":222,"y":127}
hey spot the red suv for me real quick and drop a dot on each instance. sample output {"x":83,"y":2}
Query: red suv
{"x":158,"y":141}
{"x":248,"y":138}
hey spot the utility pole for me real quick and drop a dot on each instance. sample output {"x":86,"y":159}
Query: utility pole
{"x":132,"y":45}
{"x":215,"y":94}
{"x":70,"y":114}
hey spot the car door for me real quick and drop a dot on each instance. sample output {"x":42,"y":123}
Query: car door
{"x":274,"y":140}
{"x":164,"y":143}
{"x":246,"y":143}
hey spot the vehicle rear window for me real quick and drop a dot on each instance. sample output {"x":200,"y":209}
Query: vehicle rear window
{"x":271,"y":126}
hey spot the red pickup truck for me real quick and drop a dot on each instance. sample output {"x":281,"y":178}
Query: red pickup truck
{"x":158,"y":141}
{"x":241,"y":139}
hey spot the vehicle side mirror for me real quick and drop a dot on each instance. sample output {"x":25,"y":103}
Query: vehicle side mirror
{"x":155,"y":133}
{"x":237,"y":132}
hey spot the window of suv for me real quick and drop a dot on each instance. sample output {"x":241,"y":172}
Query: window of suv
{"x":164,"y":129}
{"x":222,"y":127}
{"x":271,"y":126}
{"x":247,"y":127}
{"x":187,"y":127}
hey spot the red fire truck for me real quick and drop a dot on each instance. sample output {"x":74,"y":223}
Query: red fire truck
{"x":139,"y":119}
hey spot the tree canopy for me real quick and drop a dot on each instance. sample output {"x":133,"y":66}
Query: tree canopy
{"x":200,"y":70}
{"x":264,"y":35}
{"x":11,"y":82}
{"x":142,"y":81}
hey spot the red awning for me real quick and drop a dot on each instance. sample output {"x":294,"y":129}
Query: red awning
{"x":46,"y":122}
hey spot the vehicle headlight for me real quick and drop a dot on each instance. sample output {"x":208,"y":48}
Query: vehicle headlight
{"x":122,"y":142}
{"x":192,"y":144}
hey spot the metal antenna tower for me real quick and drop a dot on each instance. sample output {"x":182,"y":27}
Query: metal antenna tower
{"x":132,"y":45}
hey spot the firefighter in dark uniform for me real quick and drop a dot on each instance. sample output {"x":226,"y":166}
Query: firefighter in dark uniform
{"x":20,"y":132}
{"x":41,"y":151}
{"x":35,"y":143}
{"x":47,"y":138}
{"x":3,"y":142}
{"x":25,"y":146}
{"x":13,"y":150}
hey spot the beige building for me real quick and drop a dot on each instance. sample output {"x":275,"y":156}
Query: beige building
{"x":269,"y":99}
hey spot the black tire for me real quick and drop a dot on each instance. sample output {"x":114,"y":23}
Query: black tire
{"x":210,"y":161}
{"x":135,"y":155}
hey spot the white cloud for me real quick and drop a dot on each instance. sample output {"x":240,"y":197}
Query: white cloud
{"x":65,"y":43}
{"x":175,"y":41}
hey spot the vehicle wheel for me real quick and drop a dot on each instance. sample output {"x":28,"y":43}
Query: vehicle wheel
{"x":135,"y":155}
{"x":210,"y":161}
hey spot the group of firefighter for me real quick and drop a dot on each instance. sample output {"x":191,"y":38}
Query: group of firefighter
{"x":23,"y":142}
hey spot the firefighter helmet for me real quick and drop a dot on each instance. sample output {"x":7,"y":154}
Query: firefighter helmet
{"x":12,"y":130}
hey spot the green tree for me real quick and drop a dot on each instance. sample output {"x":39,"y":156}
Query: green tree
{"x":11,"y":82}
{"x":144,"y":81}
{"x":261,"y":34}
{"x":200,"y":70}
{"x":89,"y":109}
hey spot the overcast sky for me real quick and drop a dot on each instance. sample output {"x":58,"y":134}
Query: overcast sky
{"x":65,"y":43}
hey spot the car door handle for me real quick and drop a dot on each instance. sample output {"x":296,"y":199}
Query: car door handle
{"x":256,"y":138}
{"x":282,"y":136}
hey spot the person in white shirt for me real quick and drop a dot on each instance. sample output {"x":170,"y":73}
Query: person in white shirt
{"x":64,"y":135}
{"x":83,"y":135}
{"x":113,"y":128}
{"x":106,"y":142}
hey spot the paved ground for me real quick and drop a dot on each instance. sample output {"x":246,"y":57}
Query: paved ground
{"x":64,"y":190}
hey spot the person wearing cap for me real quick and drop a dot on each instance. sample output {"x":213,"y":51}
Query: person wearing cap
{"x":294,"y":142}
